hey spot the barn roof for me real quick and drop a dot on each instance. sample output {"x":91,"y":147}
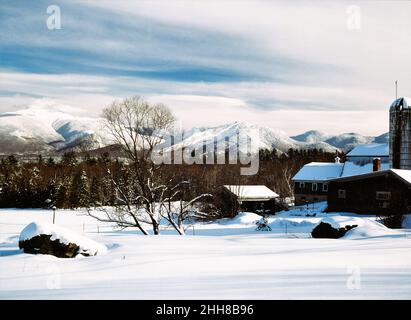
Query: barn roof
{"x":252,"y":193}
{"x":324,"y":171}
{"x":352,"y":169}
{"x":319,"y":171}
{"x":404,"y":175}
{"x":370,"y":150}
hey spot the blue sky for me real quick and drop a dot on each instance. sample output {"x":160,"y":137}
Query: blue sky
{"x":292,"y":67}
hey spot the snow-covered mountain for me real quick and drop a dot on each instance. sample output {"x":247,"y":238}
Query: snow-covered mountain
{"x":345,"y":141}
{"x":39,"y":129}
{"x":45,"y":129}
{"x":260,"y":137}
{"x":311,"y":136}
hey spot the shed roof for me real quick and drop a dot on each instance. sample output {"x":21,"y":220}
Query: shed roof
{"x":252,"y":192}
{"x":370,"y":150}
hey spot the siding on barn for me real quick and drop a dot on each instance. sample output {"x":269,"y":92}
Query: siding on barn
{"x":361,"y":195}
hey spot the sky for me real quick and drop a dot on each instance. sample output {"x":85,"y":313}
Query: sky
{"x":293,"y":66}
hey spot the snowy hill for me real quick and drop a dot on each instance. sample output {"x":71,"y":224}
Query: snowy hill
{"x":41,"y":128}
{"x":261,"y":137}
{"x":311,"y":136}
{"x":345,"y":141}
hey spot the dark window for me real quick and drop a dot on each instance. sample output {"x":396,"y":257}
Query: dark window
{"x":325,"y":187}
{"x":341,"y":194}
{"x":302,"y":185}
{"x":384,"y":204}
{"x":314,"y":187}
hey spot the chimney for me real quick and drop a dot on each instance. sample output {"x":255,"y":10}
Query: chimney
{"x":376,"y":164}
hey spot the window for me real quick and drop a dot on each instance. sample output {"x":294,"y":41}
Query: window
{"x":314,"y":187}
{"x":302,"y":185}
{"x":383,"y":195}
{"x":325,"y":187}
{"x":341,"y":194}
{"x":384,"y":204}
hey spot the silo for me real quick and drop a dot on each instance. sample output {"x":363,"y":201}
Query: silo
{"x":400,"y":134}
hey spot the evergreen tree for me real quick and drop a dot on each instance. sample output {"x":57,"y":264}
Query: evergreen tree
{"x":79,"y":192}
{"x":96,"y":192}
{"x":12,"y":160}
{"x":62,"y":195}
{"x":69,"y":159}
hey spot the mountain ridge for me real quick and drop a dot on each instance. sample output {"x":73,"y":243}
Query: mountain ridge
{"x":43,"y":130}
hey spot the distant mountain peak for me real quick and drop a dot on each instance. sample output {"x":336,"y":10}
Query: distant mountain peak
{"x":46,"y":128}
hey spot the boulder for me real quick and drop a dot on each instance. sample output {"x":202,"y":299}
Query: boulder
{"x":326,"y":230}
{"x":46,"y":238}
{"x":42,"y":244}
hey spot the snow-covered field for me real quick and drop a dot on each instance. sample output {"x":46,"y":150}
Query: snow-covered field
{"x":227,"y":259}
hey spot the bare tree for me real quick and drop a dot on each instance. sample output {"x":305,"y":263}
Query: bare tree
{"x":175,"y":209}
{"x":138,"y":127}
{"x":141,"y":196}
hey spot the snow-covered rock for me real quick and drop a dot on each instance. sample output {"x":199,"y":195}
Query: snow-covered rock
{"x":48,"y":238}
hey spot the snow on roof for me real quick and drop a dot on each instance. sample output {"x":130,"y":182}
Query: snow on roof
{"x":323,"y":171}
{"x":254,"y":193}
{"x":370,"y":150}
{"x":404,"y":102}
{"x":352,"y":169}
{"x":404,"y":174}
{"x":320,"y":171}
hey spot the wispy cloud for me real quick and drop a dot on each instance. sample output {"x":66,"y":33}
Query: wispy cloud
{"x":273,"y":62}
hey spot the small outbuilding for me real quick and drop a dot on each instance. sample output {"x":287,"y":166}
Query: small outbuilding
{"x":253,"y":198}
{"x":386,"y":192}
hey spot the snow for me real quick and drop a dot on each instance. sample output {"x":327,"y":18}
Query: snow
{"x":242,"y":218}
{"x":405,"y":101}
{"x":323,"y":171}
{"x":404,"y":174}
{"x":370,"y":150}
{"x":51,"y":124}
{"x":66,"y":236}
{"x":226,"y":259}
{"x":261,"y":137}
{"x":319,"y":171}
{"x":252,"y":192}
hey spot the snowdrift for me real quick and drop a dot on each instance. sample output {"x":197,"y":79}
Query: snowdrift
{"x":366,"y":228}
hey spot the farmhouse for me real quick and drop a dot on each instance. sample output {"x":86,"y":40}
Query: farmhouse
{"x":311,"y":181}
{"x":381,"y":192}
{"x":375,"y":178}
{"x":252,"y":198}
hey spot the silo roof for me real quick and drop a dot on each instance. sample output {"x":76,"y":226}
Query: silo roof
{"x":404,"y":102}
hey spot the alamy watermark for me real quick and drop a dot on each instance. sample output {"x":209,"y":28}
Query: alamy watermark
{"x":53,"y":21}
{"x":240,"y":148}
{"x":354,"y":278}
{"x":354,"y":17}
